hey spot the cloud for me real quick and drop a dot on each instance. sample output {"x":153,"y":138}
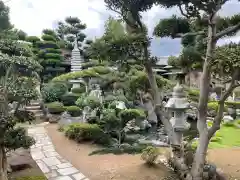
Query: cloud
{"x":33,"y":16}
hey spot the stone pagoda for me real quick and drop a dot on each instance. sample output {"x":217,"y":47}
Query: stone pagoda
{"x":178,"y":104}
{"x":76,"y":64}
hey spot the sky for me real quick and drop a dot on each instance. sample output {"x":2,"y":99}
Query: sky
{"x":32,"y":16}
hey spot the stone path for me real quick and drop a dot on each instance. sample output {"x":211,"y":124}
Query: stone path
{"x":49,"y":161}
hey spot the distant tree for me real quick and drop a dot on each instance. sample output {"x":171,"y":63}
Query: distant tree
{"x":4,"y":17}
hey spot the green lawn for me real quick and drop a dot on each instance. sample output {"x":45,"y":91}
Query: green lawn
{"x":230,"y":138}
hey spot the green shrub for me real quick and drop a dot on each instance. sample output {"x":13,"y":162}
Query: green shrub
{"x":193,"y":94}
{"x":80,"y":100}
{"x":79,"y":90}
{"x":52,"y":92}
{"x":55,"y":107}
{"x":74,"y":111}
{"x":92,"y":102}
{"x":69,"y":99}
{"x":194,"y":144}
{"x":32,"y":178}
{"x":86,"y":132}
{"x":150,"y":154}
{"x":213,"y":105}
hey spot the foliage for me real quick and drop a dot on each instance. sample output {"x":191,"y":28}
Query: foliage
{"x":4,"y":17}
{"x":53,"y":91}
{"x":69,"y":99}
{"x":17,"y":138}
{"x":92,"y":102}
{"x":76,"y":75}
{"x":120,"y":150}
{"x":74,"y":111}
{"x":86,"y":132}
{"x":24,"y":116}
{"x":55,"y":107}
{"x":150,"y":154}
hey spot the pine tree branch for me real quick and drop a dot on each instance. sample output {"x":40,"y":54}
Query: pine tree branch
{"x":228,"y":31}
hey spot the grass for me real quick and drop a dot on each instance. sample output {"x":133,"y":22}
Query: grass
{"x":229,"y":138}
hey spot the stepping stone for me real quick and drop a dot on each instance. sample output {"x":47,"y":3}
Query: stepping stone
{"x":51,"y":154}
{"x":67,"y":171}
{"x":78,"y":176}
{"x":37,"y":155}
{"x":64,"y":165}
{"x":51,"y":161}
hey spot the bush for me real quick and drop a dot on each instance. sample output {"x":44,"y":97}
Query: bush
{"x":213,"y":105}
{"x":69,"y":99}
{"x":86,"y":132}
{"x":193,"y":94}
{"x":52,"y":92}
{"x":74,"y":111}
{"x":80,"y":100}
{"x":79,"y":90}
{"x":55,"y":107}
{"x":92,"y":102}
{"x":150,"y":154}
{"x":24,"y":116}
{"x":238,"y":121}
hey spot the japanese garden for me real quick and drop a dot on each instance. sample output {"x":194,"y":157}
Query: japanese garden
{"x":80,"y":108}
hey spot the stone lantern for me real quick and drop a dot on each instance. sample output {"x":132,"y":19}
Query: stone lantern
{"x":178,"y":104}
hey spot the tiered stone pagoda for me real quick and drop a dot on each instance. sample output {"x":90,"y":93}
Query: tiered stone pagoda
{"x":76,"y":64}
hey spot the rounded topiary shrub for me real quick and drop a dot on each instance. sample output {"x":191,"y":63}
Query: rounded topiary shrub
{"x":55,"y":107}
{"x":87,"y":132}
{"x":74,"y":111}
{"x":79,"y":90}
{"x":69,"y":99}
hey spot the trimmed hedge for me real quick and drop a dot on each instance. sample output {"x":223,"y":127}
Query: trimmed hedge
{"x":74,"y":111}
{"x":81,"y":132}
{"x":55,"y":107}
{"x":69,"y":99}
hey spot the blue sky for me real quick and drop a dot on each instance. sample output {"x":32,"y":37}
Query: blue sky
{"x":34,"y":15}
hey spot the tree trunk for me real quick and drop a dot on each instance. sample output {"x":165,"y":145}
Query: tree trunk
{"x":200,"y":155}
{"x":3,"y":164}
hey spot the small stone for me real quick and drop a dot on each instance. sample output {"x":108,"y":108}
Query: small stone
{"x":37,"y":155}
{"x":51,"y":154}
{"x":64,"y":165}
{"x":78,"y":176}
{"x":51,"y":161}
{"x":67,"y":171}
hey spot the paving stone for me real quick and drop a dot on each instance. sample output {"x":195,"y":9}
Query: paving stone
{"x":78,"y":176}
{"x":51,"y":161}
{"x":63,"y":178}
{"x":37,"y":155}
{"x":43,"y":167}
{"x":67,"y":171}
{"x":54,"y":167}
{"x":52,"y":174}
{"x":64,"y":165}
{"x":51,"y":154}
{"x":47,"y":147}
